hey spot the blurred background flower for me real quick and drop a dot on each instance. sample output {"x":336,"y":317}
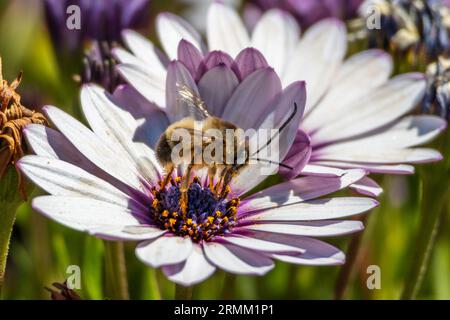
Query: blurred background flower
{"x":307,"y":12}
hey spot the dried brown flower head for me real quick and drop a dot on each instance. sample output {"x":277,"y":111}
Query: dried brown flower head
{"x":63,"y":292}
{"x":13,"y":118}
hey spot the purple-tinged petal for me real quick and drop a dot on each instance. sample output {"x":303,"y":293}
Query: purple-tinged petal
{"x":192,"y":271}
{"x":250,"y":243}
{"x":251,"y":98}
{"x":192,"y":58}
{"x":316,"y":252}
{"x":237,"y":260}
{"x":298,"y":156}
{"x":177,"y":76}
{"x":248,"y":61}
{"x":368,"y":187}
{"x":164,"y":251}
{"x":216,"y":87}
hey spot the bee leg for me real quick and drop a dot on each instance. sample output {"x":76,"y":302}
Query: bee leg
{"x":211,"y":174}
{"x":184,"y":190}
{"x":168,"y":176}
{"x":226,"y":181}
{"x":219,"y":183}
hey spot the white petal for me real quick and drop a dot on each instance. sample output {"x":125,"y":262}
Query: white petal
{"x":127,"y":58}
{"x":150,"y":85}
{"x":143,"y":49}
{"x":322,"y":171}
{"x":368,"y":187}
{"x":324,"y":228}
{"x":85,"y":214}
{"x":370,"y":167}
{"x":313,"y":210}
{"x":93,"y":148}
{"x":237,"y":260}
{"x":118,"y":128}
{"x":381,"y":155}
{"x":258,"y":244}
{"x":192,"y":271}
{"x":171,"y":30}
{"x":316,"y":252}
{"x":164,"y":251}
{"x":300,"y":189}
{"x":128,"y":233}
{"x":365,"y":71}
{"x":276,"y":35}
{"x":407,"y":132}
{"x":60,"y":178}
{"x":225,"y":30}
{"x":382,"y":106}
{"x":317,"y":58}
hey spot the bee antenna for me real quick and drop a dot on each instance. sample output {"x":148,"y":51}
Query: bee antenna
{"x":283,"y":126}
{"x":273,"y":162}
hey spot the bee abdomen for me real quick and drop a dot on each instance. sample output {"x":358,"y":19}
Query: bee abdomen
{"x":163,"y":150}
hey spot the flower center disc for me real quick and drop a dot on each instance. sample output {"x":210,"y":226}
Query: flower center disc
{"x":207,"y":215}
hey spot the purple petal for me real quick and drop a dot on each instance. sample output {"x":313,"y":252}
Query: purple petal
{"x":191,"y":57}
{"x":178,"y":75}
{"x":252,"y":97}
{"x":248,"y":61}
{"x":216,"y":87}
{"x":298,"y":156}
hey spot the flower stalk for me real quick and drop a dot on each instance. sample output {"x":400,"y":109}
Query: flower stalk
{"x":435,"y":192}
{"x":183,"y":293}
{"x":9,"y":201}
{"x":116,"y":272}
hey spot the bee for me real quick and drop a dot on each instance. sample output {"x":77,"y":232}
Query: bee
{"x":237,"y":147}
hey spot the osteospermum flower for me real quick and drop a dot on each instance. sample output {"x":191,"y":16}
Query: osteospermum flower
{"x":354,"y":115}
{"x":106,"y":181}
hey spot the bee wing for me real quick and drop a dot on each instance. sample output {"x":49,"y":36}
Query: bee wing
{"x":197,"y":107}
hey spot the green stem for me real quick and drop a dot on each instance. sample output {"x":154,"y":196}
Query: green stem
{"x":347,"y":269}
{"x":435,"y":193}
{"x":7,"y":217}
{"x":116,"y":272}
{"x":229,"y":285}
{"x":183,"y":293}
{"x":155,"y":291}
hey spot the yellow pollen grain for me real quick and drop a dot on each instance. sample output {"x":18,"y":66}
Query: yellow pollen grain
{"x":218,"y":213}
{"x":189,"y":221}
{"x":178,"y":179}
{"x":210,"y":219}
{"x":155,"y":203}
{"x":165,"y":213}
{"x":172,"y":221}
{"x":225,"y":219}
